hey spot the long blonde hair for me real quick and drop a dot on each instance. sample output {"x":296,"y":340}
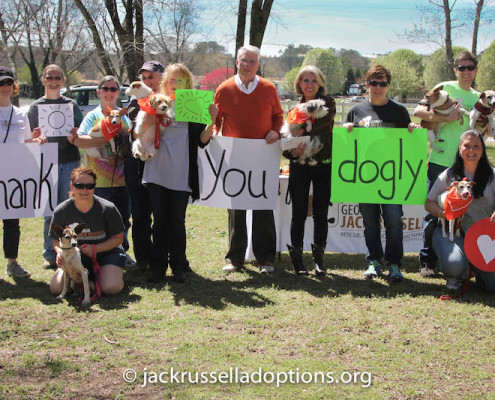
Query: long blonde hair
{"x":171,"y":70}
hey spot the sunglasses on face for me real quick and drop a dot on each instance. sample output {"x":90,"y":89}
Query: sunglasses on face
{"x":81,"y":186}
{"x":112,"y":89}
{"x":462,"y":68}
{"x":6,"y":82}
{"x":378,"y":83}
{"x":53,"y":78}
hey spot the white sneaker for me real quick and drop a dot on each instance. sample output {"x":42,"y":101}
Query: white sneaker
{"x":267,"y":268}
{"x":129,"y":261}
{"x":16,"y":271}
{"x":230,"y":267}
{"x":425,"y":272}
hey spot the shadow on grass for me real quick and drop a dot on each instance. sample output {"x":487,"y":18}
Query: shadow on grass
{"x":23,"y":288}
{"x":241,"y":289}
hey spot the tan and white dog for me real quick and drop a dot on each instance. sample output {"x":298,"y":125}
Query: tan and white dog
{"x":157,"y":114}
{"x":484,"y":106}
{"x":302,"y":117}
{"x":440,"y":102}
{"x":72,"y":266}
{"x":139,"y":90}
{"x":455,"y":203}
{"x":108,"y":127}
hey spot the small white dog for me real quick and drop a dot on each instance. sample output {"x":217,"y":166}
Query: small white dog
{"x":303,"y":116}
{"x":486,"y":106}
{"x":158,"y":115}
{"x":139,"y":90}
{"x":455,"y":203}
{"x":72,"y":266}
{"x":108,"y":127}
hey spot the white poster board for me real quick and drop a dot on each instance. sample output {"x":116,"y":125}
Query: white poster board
{"x":240,"y":174}
{"x":345,"y":226}
{"x":56,"y":119}
{"x":28,"y":180}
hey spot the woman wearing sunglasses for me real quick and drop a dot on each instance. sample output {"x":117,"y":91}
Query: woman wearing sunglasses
{"x":53,"y":79}
{"x":380,"y":111}
{"x":109,"y":169}
{"x":103,"y":232}
{"x":14,"y":128}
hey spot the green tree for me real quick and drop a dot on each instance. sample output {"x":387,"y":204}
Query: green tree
{"x":290,"y":77}
{"x":486,"y":69}
{"x":349,"y":80}
{"x":406,"y":68}
{"x":331,"y":67}
{"x":437,"y":69}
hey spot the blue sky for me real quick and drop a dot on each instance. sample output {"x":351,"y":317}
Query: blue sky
{"x":368,"y":26}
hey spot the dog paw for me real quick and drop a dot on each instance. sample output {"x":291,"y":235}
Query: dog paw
{"x":86,"y":302}
{"x":60,"y":297}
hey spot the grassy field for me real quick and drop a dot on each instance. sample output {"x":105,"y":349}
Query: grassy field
{"x":393,"y":341}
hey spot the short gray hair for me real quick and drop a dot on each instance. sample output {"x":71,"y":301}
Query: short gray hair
{"x":250,"y":48}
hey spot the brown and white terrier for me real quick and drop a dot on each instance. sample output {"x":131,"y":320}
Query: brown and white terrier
{"x":108,"y":127}
{"x":440,"y":102}
{"x":72,"y":265}
{"x":455,"y":202}
{"x":485,"y":108}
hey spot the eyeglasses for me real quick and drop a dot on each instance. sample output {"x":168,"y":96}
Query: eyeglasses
{"x":247,"y":62}
{"x":81,"y":186}
{"x":462,"y":68}
{"x":378,"y":83}
{"x":112,"y":89}
{"x":6,"y":82}
{"x":53,"y":78}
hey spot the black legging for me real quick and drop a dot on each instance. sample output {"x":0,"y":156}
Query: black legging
{"x":300,"y":179}
{"x":11,"y":236}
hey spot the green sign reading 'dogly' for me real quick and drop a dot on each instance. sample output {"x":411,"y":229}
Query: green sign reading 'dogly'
{"x":379,"y":166}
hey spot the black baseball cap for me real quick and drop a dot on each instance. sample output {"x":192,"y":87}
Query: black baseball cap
{"x":6,"y":73}
{"x":152,"y":66}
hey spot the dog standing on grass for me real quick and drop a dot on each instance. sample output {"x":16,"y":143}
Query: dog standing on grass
{"x":72,"y":265}
{"x":455,"y":203}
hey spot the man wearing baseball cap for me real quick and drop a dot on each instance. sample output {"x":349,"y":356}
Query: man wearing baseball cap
{"x":151,"y":75}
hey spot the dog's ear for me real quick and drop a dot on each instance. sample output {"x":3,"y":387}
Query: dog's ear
{"x":152,"y":100}
{"x":106,"y":113}
{"x":79,"y":228}
{"x":123,"y":111}
{"x":455,"y":183}
{"x":482,"y":95}
{"x":437,"y":89}
{"x":57,"y":230}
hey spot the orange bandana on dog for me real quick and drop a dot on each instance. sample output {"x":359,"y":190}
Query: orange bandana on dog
{"x":454,"y":205}
{"x":108,"y":129}
{"x":144,"y":105}
{"x":296,"y":116}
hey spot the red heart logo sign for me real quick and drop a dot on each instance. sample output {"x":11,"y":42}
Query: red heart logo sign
{"x":479,"y":245}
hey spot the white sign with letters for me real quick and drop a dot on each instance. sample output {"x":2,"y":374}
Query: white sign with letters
{"x":240,"y":174}
{"x":28,"y":180}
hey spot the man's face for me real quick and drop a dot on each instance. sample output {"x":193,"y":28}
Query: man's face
{"x":463,"y":73}
{"x":247,"y":65}
{"x":151,"y":79}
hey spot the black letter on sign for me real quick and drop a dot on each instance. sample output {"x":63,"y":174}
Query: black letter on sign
{"x":243,"y":182}
{"x":263,"y":193}
{"x":44,"y":180}
{"x":217,"y":175}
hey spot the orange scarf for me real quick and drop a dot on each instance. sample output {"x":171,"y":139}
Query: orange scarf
{"x":454,"y":205}
{"x":108,"y":129}
{"x":296,"y":116}
{"x":144,"y":105}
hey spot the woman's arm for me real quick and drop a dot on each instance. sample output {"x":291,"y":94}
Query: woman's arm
{"x":208,"y":132}
{"x":434,"y":209}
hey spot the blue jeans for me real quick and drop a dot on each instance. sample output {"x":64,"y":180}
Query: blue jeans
{"x":64,"y":172}
{"x":392,"y":219}
{"x":120,"y":197}
{"x":454,"y":262}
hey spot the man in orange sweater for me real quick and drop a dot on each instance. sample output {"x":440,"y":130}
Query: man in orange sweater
{"x":249,"y":108}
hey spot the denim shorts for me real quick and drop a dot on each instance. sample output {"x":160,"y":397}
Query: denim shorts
{"x":114,"y":257}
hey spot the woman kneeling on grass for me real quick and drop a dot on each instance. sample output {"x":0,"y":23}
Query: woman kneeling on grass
{"x":471,"y":162}
{"x":103,"y":227}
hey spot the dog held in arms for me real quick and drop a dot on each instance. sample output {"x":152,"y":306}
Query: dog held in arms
{"x":455,"y":203}
{"x":440,"y":102}
{"x":108,"y":127}
{"x":303,"y":117}
{"x":155,"y":114}
{"x":484,"y":107}
{"x":72,"y":265}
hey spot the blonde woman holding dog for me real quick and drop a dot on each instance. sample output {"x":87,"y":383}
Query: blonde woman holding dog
{"x":471,"y":162}
{"x":103,"y":233}
{"x":14,"y":128}
{"x":171,"y":177}
{"x":310,"y":84}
